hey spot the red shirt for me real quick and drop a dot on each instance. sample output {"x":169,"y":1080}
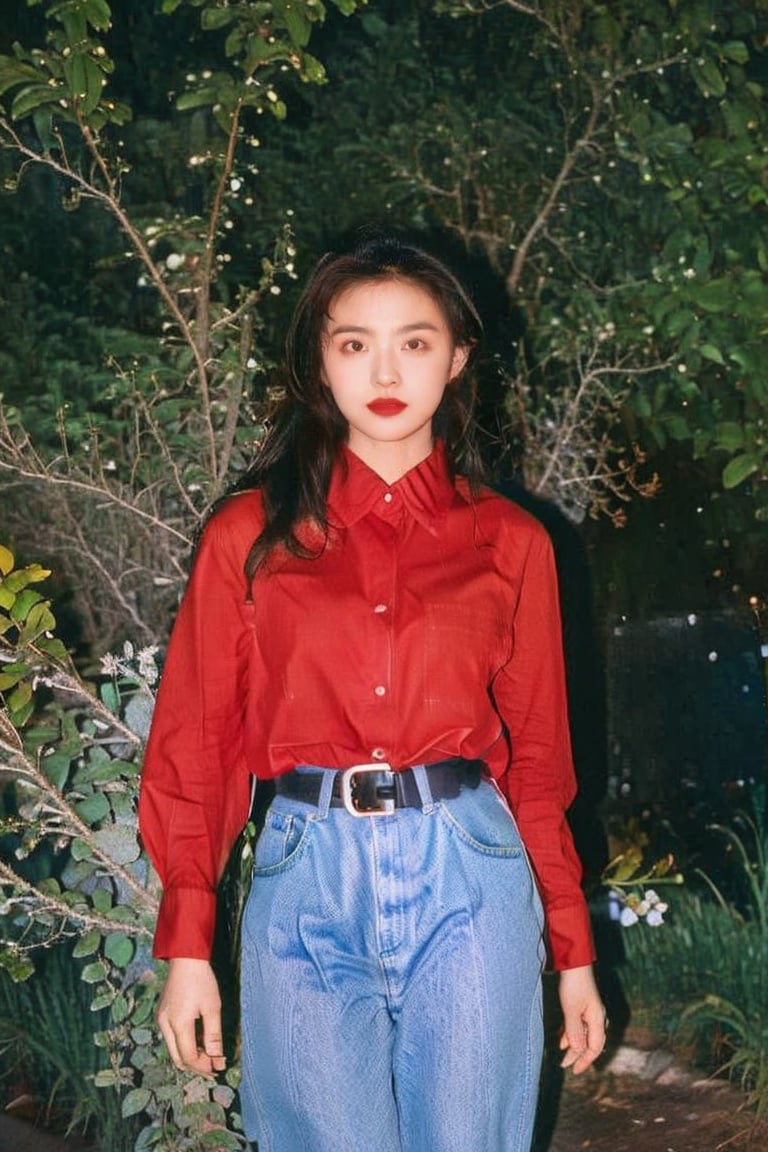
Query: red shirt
{"x":427,"y":627}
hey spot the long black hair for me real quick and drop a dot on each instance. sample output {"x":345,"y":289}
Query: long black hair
{"x":294,"y":465}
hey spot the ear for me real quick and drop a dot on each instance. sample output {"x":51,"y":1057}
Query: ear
{"x":458,"y":363}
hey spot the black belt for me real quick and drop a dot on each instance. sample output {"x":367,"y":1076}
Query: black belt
{"x":375,"y":789}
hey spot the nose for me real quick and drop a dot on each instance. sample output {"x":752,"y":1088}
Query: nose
{"x":385,"y":369}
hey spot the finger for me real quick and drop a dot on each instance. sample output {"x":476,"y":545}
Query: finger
{"x":594,"y":1044}
{"x":587,"y":1058}
{"x":181,"y":1037}
{"x":170,"y":1042}
{"x":213,"y":1043}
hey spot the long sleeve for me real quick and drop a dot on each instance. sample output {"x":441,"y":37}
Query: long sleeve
{"x":195,"y":786}
{"x":540,"y":784}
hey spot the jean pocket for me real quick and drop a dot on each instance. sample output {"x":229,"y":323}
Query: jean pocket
{"x":483,"y":821}
{"x":281,"y":841}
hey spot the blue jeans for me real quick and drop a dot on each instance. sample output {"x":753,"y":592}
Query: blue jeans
{"x":391,"y":991}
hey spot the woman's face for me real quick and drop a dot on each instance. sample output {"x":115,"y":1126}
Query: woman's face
{"x":387,"y":357}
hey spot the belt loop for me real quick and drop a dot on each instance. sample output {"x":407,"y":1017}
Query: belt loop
{"x":327,"y":778}
{"x":422,"y":784}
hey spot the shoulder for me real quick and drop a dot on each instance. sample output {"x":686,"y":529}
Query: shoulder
{"x":235,"y":523}
{"x":498,"y":515}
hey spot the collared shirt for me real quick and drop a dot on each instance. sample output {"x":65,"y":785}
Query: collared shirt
{"x":426,"y":627}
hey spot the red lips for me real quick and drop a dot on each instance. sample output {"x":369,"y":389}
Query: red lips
{"x":386,"y":406}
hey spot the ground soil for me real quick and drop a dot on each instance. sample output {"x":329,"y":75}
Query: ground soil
{"x":639,"y":1101}
{"x":623,"y":1113}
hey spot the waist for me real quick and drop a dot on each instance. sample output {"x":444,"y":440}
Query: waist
{"x":377,"y":789}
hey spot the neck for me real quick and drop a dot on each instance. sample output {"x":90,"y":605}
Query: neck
{"x":390,"y":461}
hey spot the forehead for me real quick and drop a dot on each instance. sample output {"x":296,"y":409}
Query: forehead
{"x":374,"y":302}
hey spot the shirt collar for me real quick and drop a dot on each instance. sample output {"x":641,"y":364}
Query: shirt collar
{"x":426,"y":491}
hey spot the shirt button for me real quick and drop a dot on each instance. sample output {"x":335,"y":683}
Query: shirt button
{"x":378,"y":753}
{"x":380,"y":690}
{"x":380,"y":608}
{"x":387,"y":497}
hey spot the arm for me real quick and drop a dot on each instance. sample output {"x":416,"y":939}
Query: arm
{"x":584,"y":1020}
{"x":540,"y":783}
{"x":191,"y":993}
{"x":195,"y":787}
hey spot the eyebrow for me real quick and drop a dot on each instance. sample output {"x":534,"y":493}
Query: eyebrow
{"x":420,"y":326}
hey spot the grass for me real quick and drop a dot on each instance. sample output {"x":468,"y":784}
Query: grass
{"x":699,"y":982}
{"x":47,"y":1052}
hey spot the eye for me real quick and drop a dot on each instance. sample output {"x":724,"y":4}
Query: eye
{"x":352,"y":346}
{"x":415,"y":344}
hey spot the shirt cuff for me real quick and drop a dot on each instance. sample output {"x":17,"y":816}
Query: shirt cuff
{"x":185,"y":924}
{"x":570,"y":937}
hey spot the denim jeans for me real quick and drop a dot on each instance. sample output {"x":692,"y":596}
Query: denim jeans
{"x":391,"y":991}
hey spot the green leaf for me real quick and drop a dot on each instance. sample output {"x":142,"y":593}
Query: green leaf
{"x":103,"y":1000}
{"x":11,"y":675}
{"x":707,"y":77}
{"x":19,"y":698}
{"x":98,"y":14}
{"x":298,"y":27}
{"x":119,"y":948}
{"x":710,"y":352}
{"x":24,"y":601}
{"x":32,"y":574}
{"x":102,"y":900}
{"x":119,"y":843}
{"x":109,"y":695}
{"x":87,"y":944}
{"x":135,"y":1101}
{"x":736,"y":51}
{"x":19,"y":968}
{"x":730,"y":435}
{"x":737,"y":470}
{"x":20,"y":715}
{"x":211,"y":19}
{"x":80,"y":850}
{"x":198,"y":99}
{"x":31,"y":97}
{"x":54,"y":648}
{"x":56,"y":767}
{"x":6,"y":560}
{"x":106,"y":1078}
{"x":93,"y":808}
{"x":93,"y":973}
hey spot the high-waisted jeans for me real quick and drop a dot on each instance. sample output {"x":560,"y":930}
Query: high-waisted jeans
{"x":391,"y":991}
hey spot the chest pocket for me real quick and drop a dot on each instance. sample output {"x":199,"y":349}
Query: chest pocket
{"x":463,"y":648}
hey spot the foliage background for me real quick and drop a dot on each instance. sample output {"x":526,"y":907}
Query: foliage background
{"x":171,"y":168}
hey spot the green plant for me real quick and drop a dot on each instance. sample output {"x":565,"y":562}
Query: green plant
{"x":740,"y":1007}
{"x":72,"y":750}
{"x":122,"y":480}
{"x":702,"y":982}
{"x":47,"y":1050}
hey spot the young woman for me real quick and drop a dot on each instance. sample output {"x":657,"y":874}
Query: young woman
{"x":369,"y":626}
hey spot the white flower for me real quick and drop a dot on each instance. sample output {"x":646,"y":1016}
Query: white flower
{"x":654,"y":918}
{"x":109,"y":665}
{"x":628,"y":917}
{"x":174,"y":261}
{"x":147,"y":665}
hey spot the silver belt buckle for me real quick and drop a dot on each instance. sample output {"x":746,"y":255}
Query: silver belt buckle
{"x":385,"y":805}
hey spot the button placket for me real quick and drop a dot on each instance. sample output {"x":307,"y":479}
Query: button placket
{"x":382,"y":605}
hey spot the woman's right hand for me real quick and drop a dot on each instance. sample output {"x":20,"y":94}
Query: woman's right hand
{"x":191,"y":994}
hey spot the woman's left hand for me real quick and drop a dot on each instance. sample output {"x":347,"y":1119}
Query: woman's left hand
{"x":584,"y":1017}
